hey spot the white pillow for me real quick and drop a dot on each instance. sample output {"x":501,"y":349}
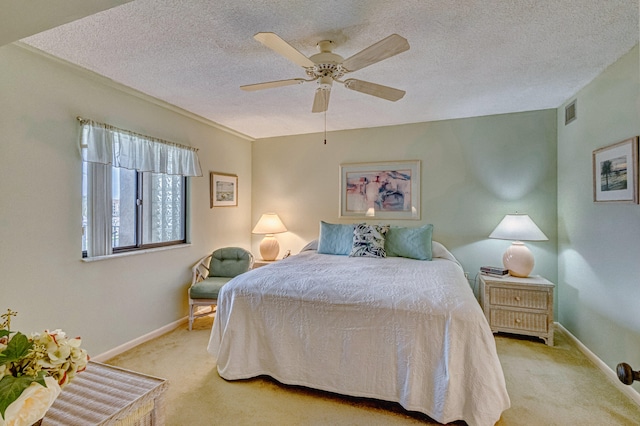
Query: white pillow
{"x":313,"y":245}
{"x":438,"y":250}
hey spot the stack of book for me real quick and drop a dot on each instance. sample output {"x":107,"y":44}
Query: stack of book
{"x":494,"y":271}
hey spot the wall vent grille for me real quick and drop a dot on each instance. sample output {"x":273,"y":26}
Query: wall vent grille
{"x":570,"y":112}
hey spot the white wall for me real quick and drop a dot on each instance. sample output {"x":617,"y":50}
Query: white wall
{"x":106,"y":302}
{"x":599,"y":243}
{"x":474,"y":171}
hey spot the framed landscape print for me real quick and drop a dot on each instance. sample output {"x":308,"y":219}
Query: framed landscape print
{"x":615,"y":172}
{"x":224,"y":190}
{"x":385,"y":190}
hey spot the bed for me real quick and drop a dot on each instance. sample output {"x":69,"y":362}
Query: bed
{"x":393,"y":329}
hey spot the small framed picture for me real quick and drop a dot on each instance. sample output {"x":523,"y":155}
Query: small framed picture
{"x":224,"y":190}
{"x":615,"y":172}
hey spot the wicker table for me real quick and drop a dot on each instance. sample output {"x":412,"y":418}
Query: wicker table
{"x":106,"y":395}
{"x":518,"y":305}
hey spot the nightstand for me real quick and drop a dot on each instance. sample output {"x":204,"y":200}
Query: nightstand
{"x":518,"y":305}
{"x":259,"y":262}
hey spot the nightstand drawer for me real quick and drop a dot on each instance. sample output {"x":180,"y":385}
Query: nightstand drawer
{"x":519,"y":298}
{"x":516,"y":320}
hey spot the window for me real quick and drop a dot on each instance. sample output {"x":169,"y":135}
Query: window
{"x":147,"y":209}
{"x":133,"y":190}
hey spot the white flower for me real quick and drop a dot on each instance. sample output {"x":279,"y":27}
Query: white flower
{"x":32,"y":404}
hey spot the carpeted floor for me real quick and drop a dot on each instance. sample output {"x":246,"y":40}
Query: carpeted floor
{"x":547,"y":386}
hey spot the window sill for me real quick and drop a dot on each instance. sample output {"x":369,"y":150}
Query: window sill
{"x":134,"y":252}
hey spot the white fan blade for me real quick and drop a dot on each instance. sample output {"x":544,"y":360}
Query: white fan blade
{"x":271,"y":84}
{"x":378,"y":90}
{"x":321,"y":100}
{"x":275,"y":43}
{"x":383,"y":49}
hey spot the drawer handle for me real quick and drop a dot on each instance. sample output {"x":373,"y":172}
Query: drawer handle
{"x":517,"y":298}
{"x":518,"y":320}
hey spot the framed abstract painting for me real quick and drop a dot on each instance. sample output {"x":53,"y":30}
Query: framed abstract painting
{"x":384,"y":190}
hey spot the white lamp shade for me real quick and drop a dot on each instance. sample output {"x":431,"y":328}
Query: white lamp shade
{"x":518,"y":227}
{"x":518,"y":259}
{"x":269,"y":223}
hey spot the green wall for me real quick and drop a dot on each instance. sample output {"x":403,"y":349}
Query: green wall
{"x":113,"y":301}
{"x":599,"y":243}
{"x":474,"y":171}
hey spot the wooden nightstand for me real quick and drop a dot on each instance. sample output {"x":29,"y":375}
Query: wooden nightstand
{"x":518,"y":305}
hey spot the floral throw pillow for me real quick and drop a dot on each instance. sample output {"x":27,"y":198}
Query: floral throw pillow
{"x":368,"y":240}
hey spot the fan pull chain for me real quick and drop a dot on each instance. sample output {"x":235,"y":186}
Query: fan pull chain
{"x":325,"y":126}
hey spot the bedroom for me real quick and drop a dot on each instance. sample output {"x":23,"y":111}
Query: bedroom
{"x":591,"y":253}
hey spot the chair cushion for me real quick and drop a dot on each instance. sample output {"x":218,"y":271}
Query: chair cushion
{"x":229,"y":262}
{"x":209,"y":288}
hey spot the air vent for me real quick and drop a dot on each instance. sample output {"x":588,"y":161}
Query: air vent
{"x":570,"y":112}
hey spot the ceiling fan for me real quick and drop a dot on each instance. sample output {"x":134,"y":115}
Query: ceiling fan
{"x":326,"y":67}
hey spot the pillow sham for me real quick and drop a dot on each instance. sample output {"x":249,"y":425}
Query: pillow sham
{"x":413,"y":243}
{"x":368,"y":240}
{"x":335,"y":238}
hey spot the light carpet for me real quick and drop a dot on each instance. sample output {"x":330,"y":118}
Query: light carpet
{"x":547,"y":385}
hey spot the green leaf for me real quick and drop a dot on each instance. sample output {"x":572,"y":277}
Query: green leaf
{"x":4,"y":333}
{"x":17,"y":349}
{"x":12,"y":387}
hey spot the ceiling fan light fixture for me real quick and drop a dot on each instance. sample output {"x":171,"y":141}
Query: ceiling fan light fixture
{"x":325,"y":82}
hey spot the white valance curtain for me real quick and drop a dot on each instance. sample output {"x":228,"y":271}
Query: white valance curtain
{"x":105,"y":144}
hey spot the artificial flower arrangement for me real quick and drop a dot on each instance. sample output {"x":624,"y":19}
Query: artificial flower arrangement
{"x":33,"y":370}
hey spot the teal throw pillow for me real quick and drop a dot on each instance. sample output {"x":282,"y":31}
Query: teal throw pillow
{"x":368,"y":240}
{"x":335,"y":238}
{"x":414,"y":243}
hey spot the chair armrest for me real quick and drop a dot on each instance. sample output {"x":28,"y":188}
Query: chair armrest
{"x":200,"y":270}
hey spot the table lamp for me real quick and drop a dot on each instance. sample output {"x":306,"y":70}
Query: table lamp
{"x":518,"y":259}
{"x":269,"y":224}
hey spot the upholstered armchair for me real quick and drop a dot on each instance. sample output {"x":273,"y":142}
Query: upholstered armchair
{"x":212,"y":272}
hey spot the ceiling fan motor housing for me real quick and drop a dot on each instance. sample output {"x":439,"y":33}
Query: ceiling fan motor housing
{"x":327,"y":63}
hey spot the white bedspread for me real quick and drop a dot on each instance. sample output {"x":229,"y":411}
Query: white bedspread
{"x":394,"y":329}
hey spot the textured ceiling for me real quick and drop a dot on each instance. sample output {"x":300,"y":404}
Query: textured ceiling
{"x":467,"y":58}
{"x":20,"y":19}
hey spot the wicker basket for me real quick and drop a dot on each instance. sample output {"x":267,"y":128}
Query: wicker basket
{"x":109,"y":396}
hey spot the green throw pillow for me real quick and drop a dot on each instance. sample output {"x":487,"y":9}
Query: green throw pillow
{"x":414,"y":243}
{"x":335,"y":238}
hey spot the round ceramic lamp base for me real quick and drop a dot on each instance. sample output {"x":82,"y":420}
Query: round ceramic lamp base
{"x":269,"y":248}
{"x":518,"y":259}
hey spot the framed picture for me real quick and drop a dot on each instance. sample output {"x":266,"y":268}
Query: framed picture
{"x":615,"y":172}
{"x":224,"y":190}
{"x":385,"y":190}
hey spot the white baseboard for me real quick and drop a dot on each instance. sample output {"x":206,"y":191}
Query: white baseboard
{"x":611,"y":375}
{"x":135,"y":342}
